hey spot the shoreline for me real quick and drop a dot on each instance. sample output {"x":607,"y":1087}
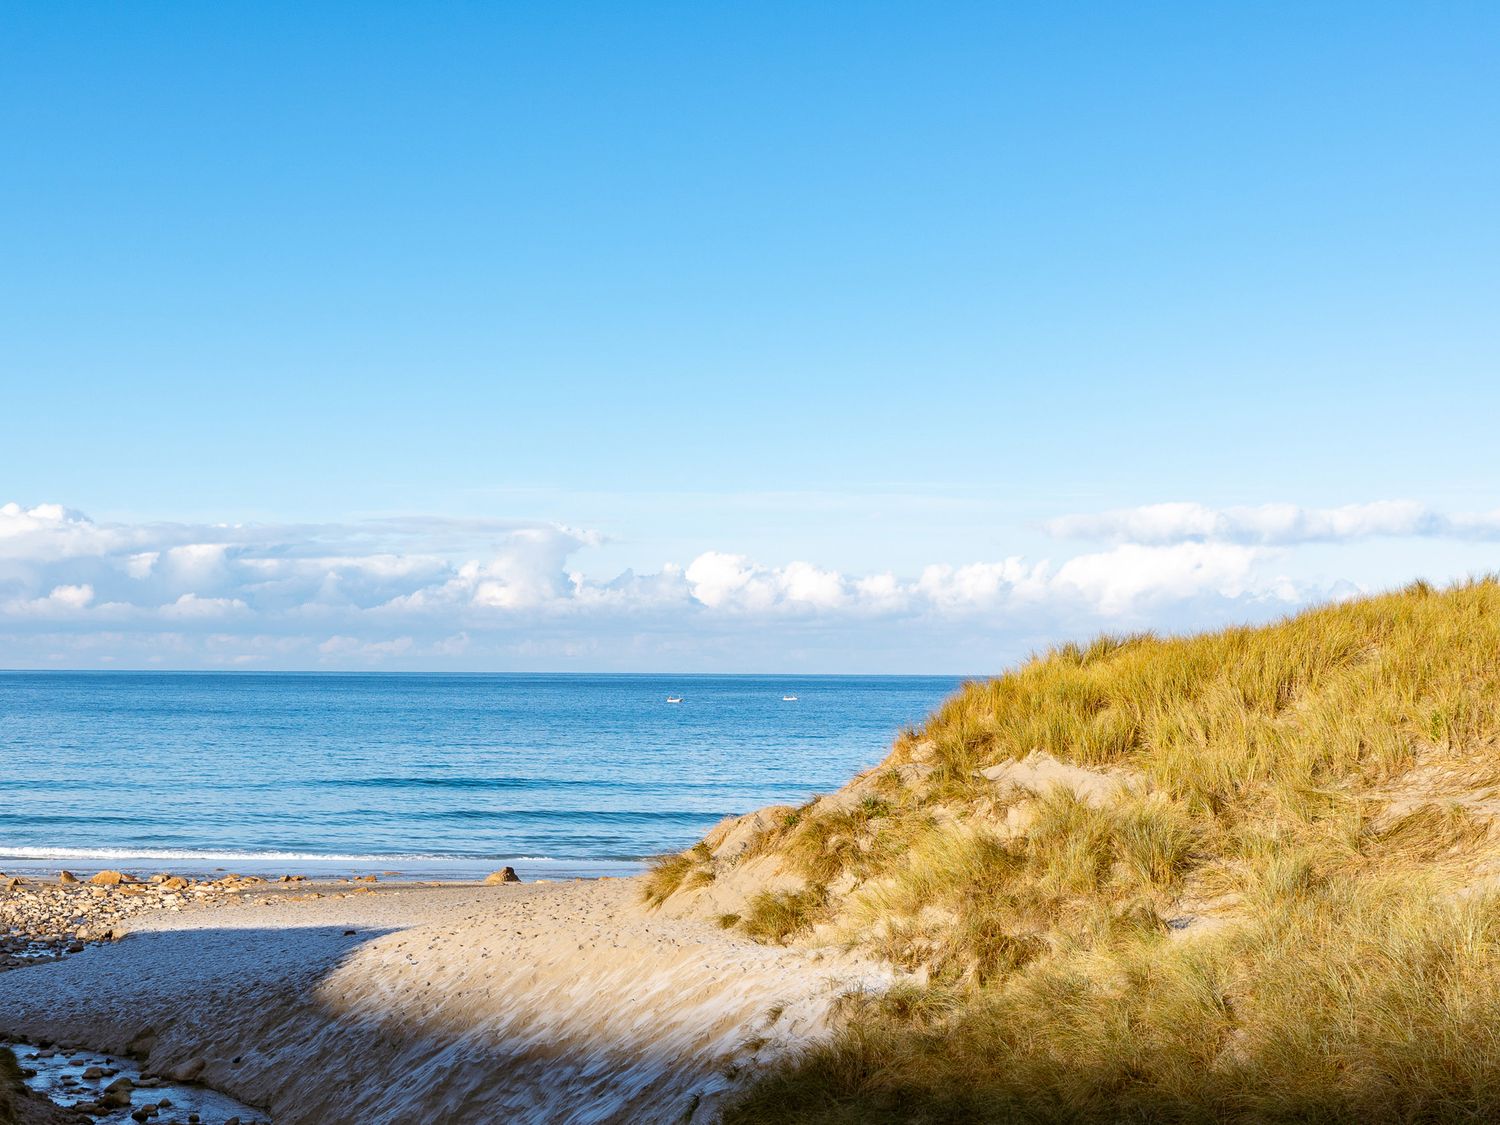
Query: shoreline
{"x":45,"y":868}
{"x":460,"y":1002}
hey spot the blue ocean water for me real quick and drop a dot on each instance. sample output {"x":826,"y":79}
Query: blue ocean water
{"x":430,"y":775}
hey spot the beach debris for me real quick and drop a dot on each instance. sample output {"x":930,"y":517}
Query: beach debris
{"x":504,"y":875}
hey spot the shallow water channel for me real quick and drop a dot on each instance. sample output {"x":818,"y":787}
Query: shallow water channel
{"x":60,"y":1075}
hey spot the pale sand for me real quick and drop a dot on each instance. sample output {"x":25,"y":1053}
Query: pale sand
{"x":540,"y":1003}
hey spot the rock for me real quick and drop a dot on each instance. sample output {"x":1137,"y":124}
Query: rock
{"x":504,"y":875}
{"x":93,"y":1072}
{"x":365,"y":878}
{"x":66,"y":877}
{"x":109,"y":879}
{"x":190,"y":1070}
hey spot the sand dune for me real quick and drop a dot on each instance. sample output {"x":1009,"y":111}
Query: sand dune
{"x":556,"y":1003}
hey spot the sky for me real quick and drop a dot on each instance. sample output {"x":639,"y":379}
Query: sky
{"x":740,"y":337}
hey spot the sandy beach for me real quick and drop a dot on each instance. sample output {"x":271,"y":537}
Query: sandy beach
{"x":565,"y":1002}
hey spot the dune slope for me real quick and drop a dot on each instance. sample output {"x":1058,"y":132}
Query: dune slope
{"x":1247,"y":876}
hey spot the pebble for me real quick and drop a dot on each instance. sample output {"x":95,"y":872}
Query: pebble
{"x":45,"y":921}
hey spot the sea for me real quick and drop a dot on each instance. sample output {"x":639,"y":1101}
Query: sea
{"x":416,"y":776}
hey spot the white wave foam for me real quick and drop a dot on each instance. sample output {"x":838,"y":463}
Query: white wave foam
{"x":309,"y":857}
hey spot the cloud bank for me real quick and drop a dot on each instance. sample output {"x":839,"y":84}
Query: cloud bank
{"x":434,"y":592}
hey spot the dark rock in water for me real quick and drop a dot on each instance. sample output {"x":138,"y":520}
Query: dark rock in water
{"x":504,"y":875}
{"x":115,"y":1099}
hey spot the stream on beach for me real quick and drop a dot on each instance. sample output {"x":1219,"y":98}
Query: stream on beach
{"x":72,"y":1078}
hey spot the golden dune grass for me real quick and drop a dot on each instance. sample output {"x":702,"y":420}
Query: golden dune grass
{"x":1281,"y":912}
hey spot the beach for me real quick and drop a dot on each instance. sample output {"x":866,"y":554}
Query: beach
{"x":359,"y":1001}
{"x":318,"y":942}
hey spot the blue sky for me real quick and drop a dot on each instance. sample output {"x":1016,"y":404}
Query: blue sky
{"x":560,"y":292}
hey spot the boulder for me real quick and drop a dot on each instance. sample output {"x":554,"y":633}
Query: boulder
{"x":114,"y":1099}
{"x":190,"y":1070}
{"x":504,"y":875}
{"x":109,"y":879}
{"x":66,"y":877}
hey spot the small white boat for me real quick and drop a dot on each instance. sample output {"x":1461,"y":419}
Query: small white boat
{"x":789,"y":699}
{"x":674,"y":699}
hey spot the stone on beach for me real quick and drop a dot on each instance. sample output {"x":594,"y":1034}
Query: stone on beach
{"x":504,"y":875}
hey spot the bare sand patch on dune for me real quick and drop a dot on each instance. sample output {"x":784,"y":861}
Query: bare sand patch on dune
{"x":557,"y":1003}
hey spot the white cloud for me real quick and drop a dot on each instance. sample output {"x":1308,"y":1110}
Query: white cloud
{"x":61,"y":600}
{"x":1273,"y":523}
{"x":196,"y":563}
{"x":72,"y":597}
{"x":977,"y":585}
{"x":1130,"y":576}
{"x":734,"y":583}
{"x":191,"y":606}
{"x":419,"y":592}
{"x":141,"y":565}
{"x":51,"y":532}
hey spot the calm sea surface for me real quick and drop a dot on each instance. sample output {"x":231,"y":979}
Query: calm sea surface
{"x":430,"y":775}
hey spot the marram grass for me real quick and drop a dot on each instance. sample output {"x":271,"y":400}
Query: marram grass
{"x":1285,"y":913}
